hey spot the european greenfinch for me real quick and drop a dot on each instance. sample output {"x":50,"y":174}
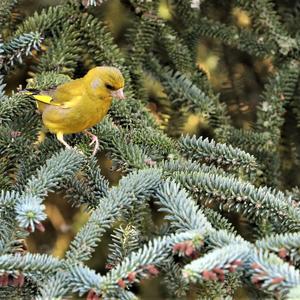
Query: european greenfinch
{"x":79,"y":104}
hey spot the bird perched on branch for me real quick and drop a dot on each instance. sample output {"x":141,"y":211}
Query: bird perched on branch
{"x":79,"y":104}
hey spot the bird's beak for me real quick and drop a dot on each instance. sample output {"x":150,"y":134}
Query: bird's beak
{"x":119,"y":94}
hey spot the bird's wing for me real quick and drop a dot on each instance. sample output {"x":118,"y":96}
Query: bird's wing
{"x":58,"y":96}
{"x":43,"y":96}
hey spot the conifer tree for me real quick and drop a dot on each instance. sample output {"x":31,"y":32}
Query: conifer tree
{"x":177,"y":211}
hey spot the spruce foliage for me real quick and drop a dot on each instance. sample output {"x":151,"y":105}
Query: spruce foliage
{"x":177,"y":211}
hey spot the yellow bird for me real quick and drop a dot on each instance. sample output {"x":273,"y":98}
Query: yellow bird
{"x":79,"y":104}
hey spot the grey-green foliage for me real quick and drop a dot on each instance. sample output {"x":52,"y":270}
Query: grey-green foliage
{"x":285,"y":245}
{"x":188,"y":182}
{"x":171,"y":198}
{"x":20,"y":46}
{"x":219,"y":258}
{"x":242,"y":197}
{"x":211,"y":152}
{"x":111,"y":207}
{"x":63,"y":53}
{"x":88,"y":187}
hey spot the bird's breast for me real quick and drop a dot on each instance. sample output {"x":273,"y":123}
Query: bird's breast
{"x":97,"y":111}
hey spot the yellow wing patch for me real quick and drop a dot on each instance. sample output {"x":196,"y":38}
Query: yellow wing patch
{"x":43,"y":98}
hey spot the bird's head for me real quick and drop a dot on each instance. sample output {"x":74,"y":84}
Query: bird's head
{"x":105,"y":82}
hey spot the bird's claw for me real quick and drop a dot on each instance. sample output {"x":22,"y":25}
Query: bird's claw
{"x":96,"y":142}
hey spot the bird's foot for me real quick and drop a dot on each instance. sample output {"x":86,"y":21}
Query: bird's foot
{"x":94,"y":141}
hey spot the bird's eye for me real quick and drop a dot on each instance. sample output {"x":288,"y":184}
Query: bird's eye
{"x":110,"y":87}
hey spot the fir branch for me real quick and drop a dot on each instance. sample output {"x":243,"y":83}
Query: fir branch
{"x":235,"y":195}
{"x":222,"y":238}
{"x":286,"y":246}
{"x":87,"y":188}
{"x":20,"y":46}
{"x":220,"y":289}
{"x":8,"y":198}
{"x":215,"y":153}
{"x":176,"y":49}
{"x":125,"y":154}
{"x":60,"y":166}
{"x":131,"y":113}
{"x":151,"y":254}
{"x":270,"y":273}
{"x":218,"y":221}
{"x":54,"y":287}
{"x":183,"y":13}
{"x":171,"y":167}
{"x":216,"y":264}
{"x":144,"y":6}
{"x":182,"y":212}
{"x":29,"y":264}
{"x":252,"y":141}
{"x":181,"y":90}
{"x":232,"y":36}
{"x":279,"y":90}
{"x":63,"y":52}
{"x":47,"y":80}
{"x":156,"y":144}
{"x":176,"y":285}
{"x":124,"y":241}
{"x":131,"y":189}
{"x":82,"y":279}
{"x":46,"y":20}
{"x":268,"y":22}
{"x":142,"y":37}
{"x":258,"y":144}
{"x":29,"y":209}
{"x":101,"y":46}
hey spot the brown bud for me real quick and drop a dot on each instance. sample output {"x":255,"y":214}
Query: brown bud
{"x":152,"y":270}
{"x":4,"y":279}
{"x":190,"y":249}
{"x":232,"y":268}
{"x":92,"y":295}
{"x":206,"y":274}
{"x":121,"y":283}
{"x":131,"y":276}
{"x":177,"y":247}
{"x":221,"y":277}
{"x":209,"y":275}
{"x":282,"y":253}
{"x":256,"y":266}
{"x":277,"y":280}
{"x":109,"y":266}
{"x":218,"y":271}
{"x":237,"y":262}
